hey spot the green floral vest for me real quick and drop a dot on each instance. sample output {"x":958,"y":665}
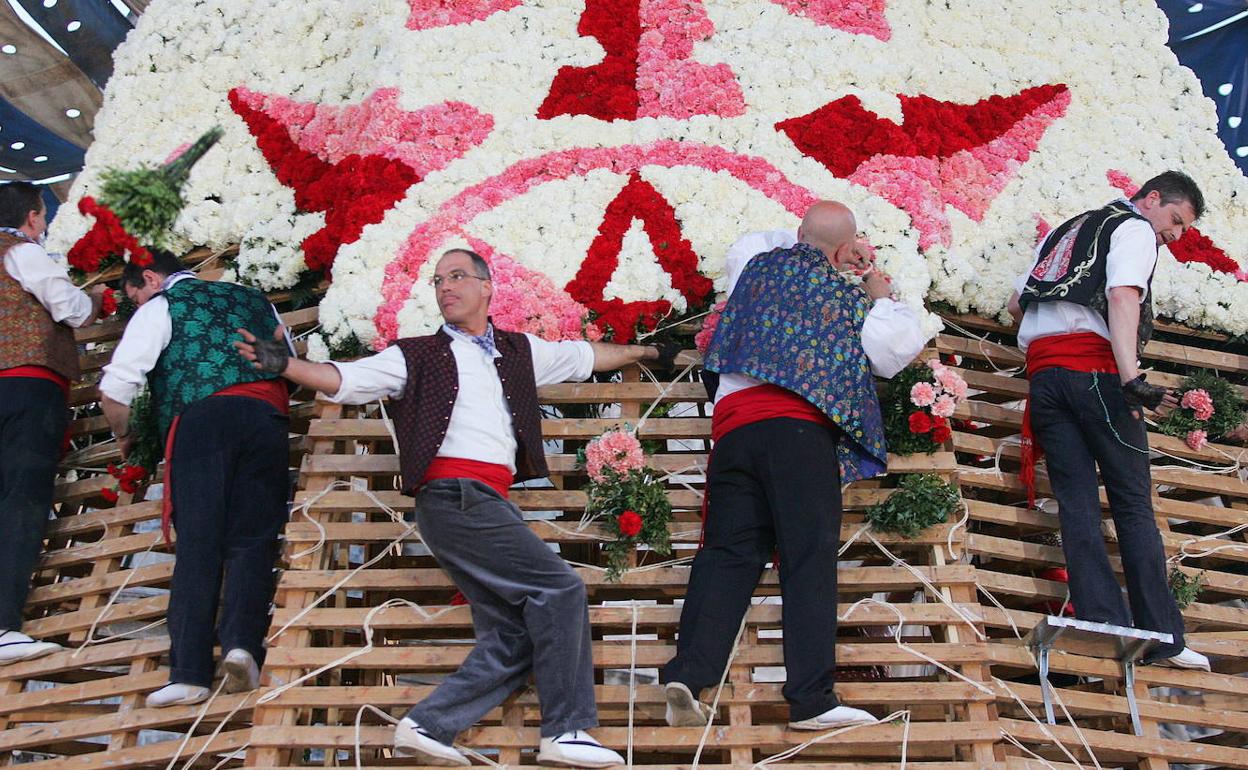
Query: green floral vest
{"x":200,"y":358}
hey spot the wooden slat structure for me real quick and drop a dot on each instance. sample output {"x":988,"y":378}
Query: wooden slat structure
{"x":962,"y":593}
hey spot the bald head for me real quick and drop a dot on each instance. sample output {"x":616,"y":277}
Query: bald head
{"x":827,"y":225}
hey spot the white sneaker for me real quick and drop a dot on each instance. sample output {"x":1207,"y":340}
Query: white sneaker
{"x":240,"y":670}
{"x":841,"y":716}
{"x":576,"y":749}
{"x":683,"y":709}
{"x":177,"y":694}
{"x":1188,"y":658}
{"x":411,"y":741}
{"x":16,"y":646}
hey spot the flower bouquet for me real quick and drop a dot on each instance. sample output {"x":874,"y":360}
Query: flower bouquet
{"x":1209,"y":408}
{"x":627,"y":496}
{"x":921,"y":500}
{"x":917,"y":404}
{"x":145,"y":452}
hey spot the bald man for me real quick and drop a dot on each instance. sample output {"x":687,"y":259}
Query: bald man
{"x":795,"y":414}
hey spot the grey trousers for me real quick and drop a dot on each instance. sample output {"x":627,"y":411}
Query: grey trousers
{"x":529,"y":614}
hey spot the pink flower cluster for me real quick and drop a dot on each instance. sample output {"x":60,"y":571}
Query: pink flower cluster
{"x":430,"y":14}
{"x":616,"y":451}
{"x":702,"y":340}
{"x":943,"y":394}
{"x":1199,"y":402}
{"x":527,"y":301}
{"x":669,"y":82}
{"x":520,"y":178}
{"x":862,"y":17}
{"x":1196,"y":439}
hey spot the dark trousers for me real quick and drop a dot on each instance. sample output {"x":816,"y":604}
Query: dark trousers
{"x":774,"y":483}
{"x":33,"y":417}
{"x":1081,"y":427}
{"x":529,"y":614}
{"x":230,"y":486}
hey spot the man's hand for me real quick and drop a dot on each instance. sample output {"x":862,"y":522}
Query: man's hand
{"x":1139,"y":393}
{"x":125,"y":444}
{"x":667,"y":352}
{"x":877,"y":284}
{"x":265,"y":355}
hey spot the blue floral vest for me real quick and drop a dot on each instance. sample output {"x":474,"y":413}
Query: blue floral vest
{"x":794,"y":322}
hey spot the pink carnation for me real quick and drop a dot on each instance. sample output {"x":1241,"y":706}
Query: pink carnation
{"x":944,"y":406}
{"x":702,"y":340}
{"x":1199,"y":402}
{"x":923,"y":394}
{"x":952,"y":383}
{"x":615,"y":450}
{"x":1197,"y":439}
{"x":935,"y":365}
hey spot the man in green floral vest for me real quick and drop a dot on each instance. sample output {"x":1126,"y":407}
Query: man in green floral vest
{"x":223,"y":425}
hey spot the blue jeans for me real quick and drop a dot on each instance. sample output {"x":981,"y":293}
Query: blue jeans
{"x":32,"y":426}
{"x":230,"y":487}
{"x":1082,"y":421}
{"x":529,"y":614}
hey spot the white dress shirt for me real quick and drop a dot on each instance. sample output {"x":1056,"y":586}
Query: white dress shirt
{"x":147,"y":335}
{"x":1130,"y":261}
{"x":892,"y":335}
{"x":49,"y":282}
{"x":480,"y":427}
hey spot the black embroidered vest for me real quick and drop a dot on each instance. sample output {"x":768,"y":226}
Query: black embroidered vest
{"x":1071,"y":267}
{"x":422,"y":415}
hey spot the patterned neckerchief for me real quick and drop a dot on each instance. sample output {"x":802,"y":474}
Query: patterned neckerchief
{"x":484,"y":341}
{"x":13,"y":231}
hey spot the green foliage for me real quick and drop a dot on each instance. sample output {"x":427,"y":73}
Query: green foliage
{"x":145,"y":200}
{"x":896,"y":407}
{"x":920,"y":501}
{"x":349,"y":348}
{"x":147,"y":449}
{"x":638,"y":491}
{"x":1228,"y":408}
{"x":1185,"y":589}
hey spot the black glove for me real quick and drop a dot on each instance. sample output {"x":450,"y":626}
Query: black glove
{"x":272,"y":355}
{"x":668,"y":350}
{"x":1139,"y":393}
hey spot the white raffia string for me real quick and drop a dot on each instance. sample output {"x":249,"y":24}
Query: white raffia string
{"x":203,"y":712}
{"x":983,"y":340}
{"x":1183,"y":553}
{"x":936,"y":592}
{"x":793,"y":751}
{"x":99,"y":618}
{"x":719,"y":689}
{"x":632,"y":681}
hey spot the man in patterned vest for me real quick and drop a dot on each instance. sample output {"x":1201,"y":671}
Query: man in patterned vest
{"x":796,"y":415}
{"x":224,"y":426}
{"x":38,"y":359}
{"x":466,"y":415}
{"x":1085,"y":313}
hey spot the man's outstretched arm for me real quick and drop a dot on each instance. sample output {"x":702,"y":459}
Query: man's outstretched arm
{"x":273,"y":356}
{"x":608,"y":357}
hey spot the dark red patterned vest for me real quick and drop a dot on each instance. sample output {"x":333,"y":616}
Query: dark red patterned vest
{"x":421,"y":416}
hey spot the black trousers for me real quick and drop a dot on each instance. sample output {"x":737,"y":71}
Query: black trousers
{"x":33,"y":418}
{"x":772,"y":484}
{"x":1080,"y":428}
{"x":230,"y":487}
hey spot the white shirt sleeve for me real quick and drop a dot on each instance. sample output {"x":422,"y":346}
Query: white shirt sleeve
{"x":750,"y":245}
{"x":568,"y":361}
{"x":147,"y":335}
{"x":892,"y":337}
{"x":1132,"y":256}
{"x":49,"y":282}
{"x":371,"y":379}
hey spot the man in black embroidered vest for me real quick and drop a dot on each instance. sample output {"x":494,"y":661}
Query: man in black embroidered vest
{"x":225,"y":429}
{"x":1085,"y":312}
{"x":468,"y":425}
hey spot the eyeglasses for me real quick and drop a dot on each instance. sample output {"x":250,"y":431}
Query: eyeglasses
{"x":454,"y":277}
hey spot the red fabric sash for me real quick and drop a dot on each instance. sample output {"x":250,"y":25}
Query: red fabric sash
{"x":755,"y":404}
{"x":272,"y":392}
{"x":497,"y":477}
{"x":38,"y":373}
{"x":1081,"y":352}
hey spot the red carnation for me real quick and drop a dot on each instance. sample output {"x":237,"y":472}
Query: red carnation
{"x":629,"y":523}
{"x":920,"y":422}
{"x":109,"y":304}
{"x":941,"y":432}
{"x":109,"y":494}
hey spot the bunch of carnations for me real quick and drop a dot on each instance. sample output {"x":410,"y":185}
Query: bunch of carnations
{"x":1209,"y":408}
{"x":627,"y":497}
{"x":918,"y":404}
{"x":128,"y":479}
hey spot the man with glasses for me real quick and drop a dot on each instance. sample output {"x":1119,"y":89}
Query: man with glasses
{"x":467,"y":420}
